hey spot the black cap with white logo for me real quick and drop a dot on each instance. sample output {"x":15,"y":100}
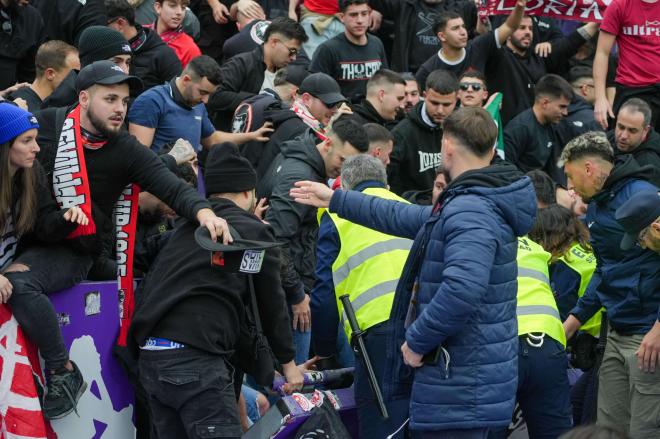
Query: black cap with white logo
{"x":106,"y":73}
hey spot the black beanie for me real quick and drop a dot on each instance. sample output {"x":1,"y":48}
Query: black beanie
{"x":98,"y":43}
{"x":227,"y":171}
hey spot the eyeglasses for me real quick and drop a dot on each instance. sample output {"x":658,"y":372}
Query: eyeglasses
{"x":292,"y":50}
{"x":6,"y":24}
{"x":642,"y":234}
{"x":464,"y":86}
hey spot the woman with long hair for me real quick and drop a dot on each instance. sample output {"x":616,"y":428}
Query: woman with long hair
{"x":26,"y":204}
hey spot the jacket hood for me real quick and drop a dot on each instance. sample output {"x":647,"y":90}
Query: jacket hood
{"x":415,"y":115}
{"x":368,"y":112}
{"x":625,"y":168}
{"x":152,"y":40}
{"x":652,"y":143}
{"x":508,"y":188}
{"x":579,"y":104}
{"x":279,"y":115}
{"x":303,"y":148}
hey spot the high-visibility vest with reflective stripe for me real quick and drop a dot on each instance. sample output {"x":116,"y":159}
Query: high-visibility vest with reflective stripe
{"x":536,"y":310}
{"x":368,"y":267}
{"x":583,"y":262}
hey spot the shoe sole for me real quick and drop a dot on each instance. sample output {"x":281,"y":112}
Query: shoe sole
{"x":80,"y":393}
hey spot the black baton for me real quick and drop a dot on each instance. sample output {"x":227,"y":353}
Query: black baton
{"x":358,"y":342}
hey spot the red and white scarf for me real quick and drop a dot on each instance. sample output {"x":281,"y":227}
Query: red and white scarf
{"x":71,"y":189}
{"x":304,"y":114}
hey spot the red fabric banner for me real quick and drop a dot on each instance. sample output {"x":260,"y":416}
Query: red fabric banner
{"x":578,"y":10}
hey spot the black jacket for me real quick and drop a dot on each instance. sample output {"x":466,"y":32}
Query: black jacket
{"x":121,"y":161}
{"x":404,"y":14}
{"x":240,"y":78}
{"x":366,"y":113}
{"x":580,"y":119}
{"x":18,"y":48}
{"x":65,"y":94}
{"x":416,"y":153}
{"x":65,"y":20}
{"x":530,"y":145}
{"x":287,"y":126}
{"x":294,"y":224}
{"x":186,"y":299}
{"x":647,"y":153}
{"x":154,"y":62}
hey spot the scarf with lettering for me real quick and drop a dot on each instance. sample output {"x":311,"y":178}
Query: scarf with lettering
{"x":303,"y":113}
{"x":71,"y":189}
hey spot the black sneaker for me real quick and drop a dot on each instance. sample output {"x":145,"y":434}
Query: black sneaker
{"x":63,"y":390}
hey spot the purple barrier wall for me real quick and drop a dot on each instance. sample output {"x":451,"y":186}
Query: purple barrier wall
{"x":89,"y":320}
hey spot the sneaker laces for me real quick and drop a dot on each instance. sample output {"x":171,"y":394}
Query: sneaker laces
{"x":58,"y":388}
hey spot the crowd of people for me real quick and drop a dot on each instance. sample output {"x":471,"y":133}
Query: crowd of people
{"x":481,"y":191}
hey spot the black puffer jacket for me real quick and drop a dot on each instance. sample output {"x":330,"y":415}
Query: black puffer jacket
{"x":66,"y":19}
{"x":294,"y":224}
{"x":647,"y":153}
{"x":154,"y":62}
{"x":287,"y":126}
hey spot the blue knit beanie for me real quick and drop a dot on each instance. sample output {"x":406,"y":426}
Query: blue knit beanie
{"x":14,"y":121}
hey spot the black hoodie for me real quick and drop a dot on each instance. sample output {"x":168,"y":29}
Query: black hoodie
{"x":294,"y":224}
{"x":154,"y":62}
{"x":647,"y":153}
{"x":287,"y":126}
{"x":366,"y":113}
{"x":416,"y":153}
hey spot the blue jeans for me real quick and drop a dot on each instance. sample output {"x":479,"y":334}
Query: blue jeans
{"x":301,"y":341}
{"x":190,"y":394}
{"x":543,"y":390}
{"x":345,"y":355}
{"x":51,"y":268}
{"x":473,"y":433}
{"x":371,"y":423}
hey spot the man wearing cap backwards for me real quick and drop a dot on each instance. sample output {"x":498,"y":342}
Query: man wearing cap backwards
{"x":640,"y":218}
{"x":626,"y":283}
{"x":317,"y":101}
{"x":90,"y":165}
{"x":96,"y":43}
{"x":185,"y":286}
{"x":306,"y":157}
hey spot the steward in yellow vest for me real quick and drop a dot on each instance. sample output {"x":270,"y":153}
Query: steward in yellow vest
{"x":543,"y":390}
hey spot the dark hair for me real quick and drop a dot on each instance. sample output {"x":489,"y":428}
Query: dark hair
{"x":52,"y":54}
{"x":378,"y":133}
{"x":474,"y":128}
{"x":120,"y":9}
{"x":441,"y":22}
{"x":476,"y":74}
{"x":344,"y":4}
{"x":385,"y":77}
{"x":289,"y":29}
{"x":347,"y":129}
{"x":638,"y":105}
{"x":22,"y":205}
{"x":594,"y":432}
{"x":408,"y":76}
{"x":183,"y":2}
{"x":544,"y":186}
{"x":579,"y":72}
{"x":442,"y":81}
{"x":556,"y":229}
{"x":553,"y":86}
{"x":203,"y":66}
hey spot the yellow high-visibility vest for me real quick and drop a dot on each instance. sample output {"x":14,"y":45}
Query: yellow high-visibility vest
{"x":368,"y":267}
{"x":583,"y":262}
{"x":536,"y":310}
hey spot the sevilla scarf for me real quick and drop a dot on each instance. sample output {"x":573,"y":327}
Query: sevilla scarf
{"x":71,"y":189}
{"x":303,"y":113}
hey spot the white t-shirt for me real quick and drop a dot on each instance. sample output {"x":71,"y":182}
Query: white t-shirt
{"x":269,"y":80}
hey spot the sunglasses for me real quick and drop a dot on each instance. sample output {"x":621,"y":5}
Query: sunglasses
{"x":464,"y":86}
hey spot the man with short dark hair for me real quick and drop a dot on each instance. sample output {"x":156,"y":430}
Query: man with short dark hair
{"x":412,"y":91}
{"x":472,"y":89}
{"x":153,"y":61}
{"x":353,"y":56}
{"x":381,"y":142}
{"x":168,"y":26}
{"x":386,"y":91}
{"x":247,"y":74}
{"x":530,"y":139}
{"x":457,"y":54}
{"x":416,"y":151}
{"x":625,"y":283}
{"x":176,"y":110}
{"x":22,"y":32}
{"x":310,"y":158}
{"x":454,"y":310}
{"x":54,"y":60}
{"x":316,"y":102}
{"x":633,"y":134}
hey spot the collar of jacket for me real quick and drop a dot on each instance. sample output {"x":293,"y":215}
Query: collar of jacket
{"x":177,"y":96}
{"x":258,"y":54}
{"x":367,"y":184}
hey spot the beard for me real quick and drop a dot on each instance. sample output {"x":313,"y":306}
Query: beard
{"x":100,"y":126}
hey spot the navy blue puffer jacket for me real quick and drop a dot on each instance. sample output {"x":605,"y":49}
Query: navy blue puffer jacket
{"x":464,"y":260}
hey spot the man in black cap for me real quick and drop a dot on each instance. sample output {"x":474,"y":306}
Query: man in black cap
{"x":96,"y":43}
{"x":640,"y":218}
{"x":192,"y":284}
{"x":317,"y":101}
{"x":93,"y":164}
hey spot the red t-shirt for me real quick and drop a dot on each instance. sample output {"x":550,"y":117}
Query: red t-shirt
{"x":325,"y":7}
{"x":636,"y":25}
{"x":182,"y":44}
